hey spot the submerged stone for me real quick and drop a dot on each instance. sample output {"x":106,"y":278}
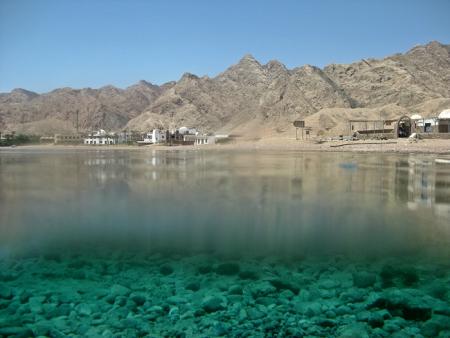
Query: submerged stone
{"x":16,"y":331}
{"x":166,"y":270}
{"x":5,"y":292}
{"x":248,"y":274}
{"x":391,"y":275}
{"x":284,"y":285}
{"x":235,"y":290}
{"x":214,"y":303}
{"x":119,"y":290}
{"x":434,"y":326}
{"x":406,"y":304}
{"x":353,"y":331}
{"x":228,"y":269}
{"x":262,"y":289}
{"x":138,"y":298}
{"x":364,"y":279}
{"x":204,"y":269}
{"x":193,"y":286}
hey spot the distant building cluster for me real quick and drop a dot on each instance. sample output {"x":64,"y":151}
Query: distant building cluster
{"x":404,"y":126}
{"x":180,"y":136}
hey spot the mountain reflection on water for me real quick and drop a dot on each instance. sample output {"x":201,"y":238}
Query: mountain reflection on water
{"x":230,"y":202}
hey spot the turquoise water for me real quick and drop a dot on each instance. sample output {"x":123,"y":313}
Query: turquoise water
{"x":123,"y":243}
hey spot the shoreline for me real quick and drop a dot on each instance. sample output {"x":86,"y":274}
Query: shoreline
{"x":441,"y":147}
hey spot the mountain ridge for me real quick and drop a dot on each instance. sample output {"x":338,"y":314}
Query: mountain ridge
{"x":248,"y":91}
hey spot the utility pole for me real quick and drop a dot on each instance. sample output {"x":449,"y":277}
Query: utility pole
{"x":77,"y":120}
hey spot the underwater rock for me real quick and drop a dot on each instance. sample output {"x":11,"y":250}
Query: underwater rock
{"x":284,"y":285}
{"x":214,"y":303}
{"x":235,"y":290}
{"x":364,"y":279}
{"x":154,"y":312}
{"x":354,"y":295}
{"x":174,"y":313}
{"x":193,"y":286}
{"x":287,"y":294}
{"x":67,"y":295}
{"x":249,"y":274}
{"x":84,"y":309}
{"x":328,"y":284}
{"x":376,"y":319}
{"x":204,"y":269}
{"x":262,"y":289}
{"x":435,"y":325}
{"x":309,"y":309}
{"x":228,"y":269}
{"x":266,"y":301}
{"x":15,"y":331}
{"x":138,"y":298}
{"x":166,"y":270}
{"x":406,"y":276}
{"x":119,"y":290}
{"x":5,"y":292}
{"x":407,"y":304}
{"x":325,"y":322}
{"x":176,"y":300}
{"x":255,"y":314}
{"x":357,"y":330}
{"x":35,"y":304}
{"x":220,"y":329}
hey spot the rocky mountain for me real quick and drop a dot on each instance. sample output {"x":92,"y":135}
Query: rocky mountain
{"x":250,"y":98}
{"x":107,"y":107}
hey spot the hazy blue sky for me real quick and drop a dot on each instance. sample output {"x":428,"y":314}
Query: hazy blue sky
{"x":80,"y":43}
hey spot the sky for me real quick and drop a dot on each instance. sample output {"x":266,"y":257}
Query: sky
{"x":47,"y":44}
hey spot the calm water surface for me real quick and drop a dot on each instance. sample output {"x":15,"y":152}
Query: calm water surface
{"x":229,"y":202}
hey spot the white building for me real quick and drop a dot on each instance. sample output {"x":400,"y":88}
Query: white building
{"x":101,"y":137}
{"x":187,"y":131}
{"x":154,"y":137}
{"x":204,"y":139}
{"x":425,"y":125}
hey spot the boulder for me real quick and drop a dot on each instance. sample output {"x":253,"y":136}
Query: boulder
{"x":166,"y":270}
{"x":407,"y":303}
{"x":357,"y":330}
{"x":235,"y":290}
{"x":214,"y":303}
{"x":434,"y":326}
{"x":280,"y":284}
{"x":119,"y":290}
{"x":262,"y":289}
{"x":5,"y":292}
{"x":364,"y":279}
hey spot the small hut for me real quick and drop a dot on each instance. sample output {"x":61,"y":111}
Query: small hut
{"x":444,"y":121}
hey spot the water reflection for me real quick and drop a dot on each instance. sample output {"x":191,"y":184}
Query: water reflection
{"x":289,"y":203}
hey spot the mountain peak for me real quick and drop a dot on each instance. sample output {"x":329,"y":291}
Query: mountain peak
{"x":144,"y":83}
{"x":189,"y":76}
{"x":248,"y":58}
{"x":430,"y":47}
{"x":23,"y":92}
{"x":20,"y":94}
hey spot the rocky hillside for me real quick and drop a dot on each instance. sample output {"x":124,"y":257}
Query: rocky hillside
{"x":108,"y":107}
{"x":250,"y":98}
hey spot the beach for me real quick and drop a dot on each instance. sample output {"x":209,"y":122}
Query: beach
{"x":429,"y":146}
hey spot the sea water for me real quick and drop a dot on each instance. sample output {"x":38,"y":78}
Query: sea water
{"x":206,"y":243}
